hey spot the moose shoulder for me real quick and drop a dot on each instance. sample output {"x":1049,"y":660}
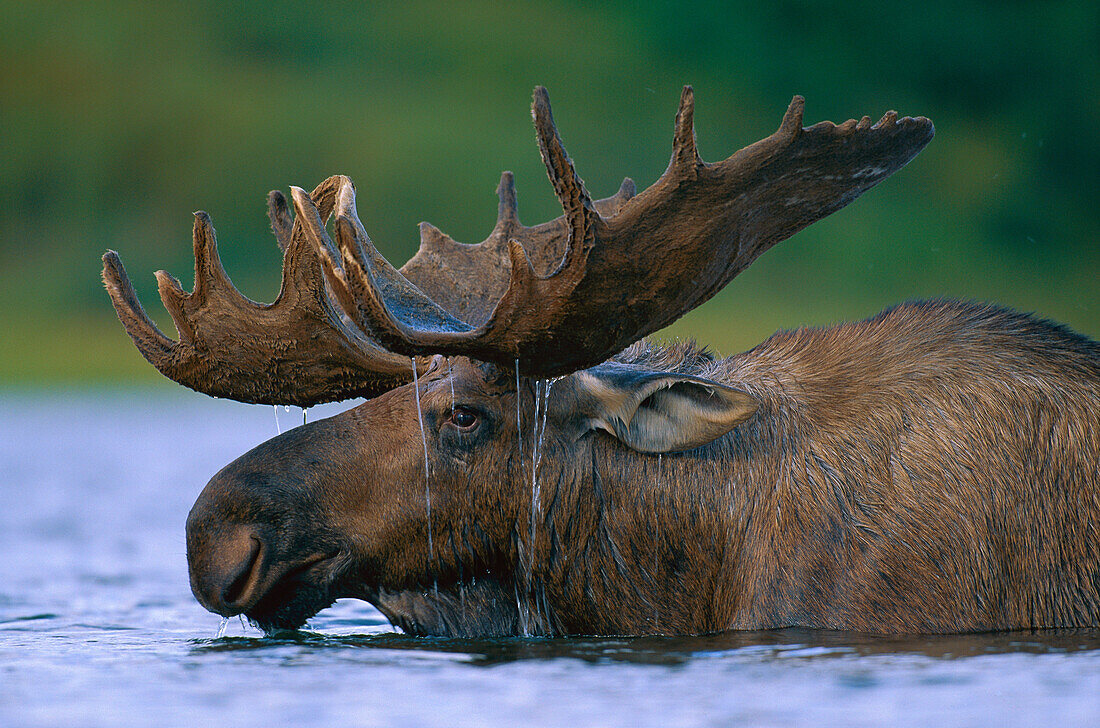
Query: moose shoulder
{"x":527,"y":464}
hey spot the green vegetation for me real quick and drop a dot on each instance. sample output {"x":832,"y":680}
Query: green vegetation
{"x":118,"y":119}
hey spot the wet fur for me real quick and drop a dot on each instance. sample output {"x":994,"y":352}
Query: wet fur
{"x":933,"y":469}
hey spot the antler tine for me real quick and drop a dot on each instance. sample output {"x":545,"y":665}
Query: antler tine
{"x":626,"y":191}
{"x":791,"y":126}
{"x":210,"y":276}
{"x":315,"y":241}
{"x":579,"y":213}
{"x":507,"y":209}
{"x":610,"y":206}
{"x":297,"y":350}
{"x":311,"y":254}
{"x":383,"y":299}
{"x":282,"y":224}
{"x":685,"y":156}
{"x":150,"y":341}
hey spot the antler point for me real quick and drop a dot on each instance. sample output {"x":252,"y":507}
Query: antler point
{"x":517,"y":255}
{"x":792,"y":120}
{"x":685,"y":155}
{"x":627,"y":189}
{"x":164,"y":278}
{"x":508,"y":208}
{"x":890,"y":117}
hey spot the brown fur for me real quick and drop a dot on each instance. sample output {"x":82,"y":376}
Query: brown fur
{"x":933,"y":469}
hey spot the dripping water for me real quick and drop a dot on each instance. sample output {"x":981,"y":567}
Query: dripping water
{"x":534,"y":497}
{"x":461,"y":594}
{"x":521,"y":614}
{"x":451,"y":379}
{"x":286,"y":408}
{"x":542,"y":400}
{"x":304,"y":410}
{"x":424,"y":443}
{"x":519,"y":415}
{"x":546,"y":384}
{"x":538,"y":432}
{"x":221,"y":628}
{"x":534,"y":480}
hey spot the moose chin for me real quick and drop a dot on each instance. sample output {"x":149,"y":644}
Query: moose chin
{"x":526,"y":463}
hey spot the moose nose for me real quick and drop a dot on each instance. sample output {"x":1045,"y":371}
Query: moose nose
{"x":225,"y":569}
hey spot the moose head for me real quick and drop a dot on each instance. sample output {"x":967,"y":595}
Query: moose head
{"x":511,"y":397}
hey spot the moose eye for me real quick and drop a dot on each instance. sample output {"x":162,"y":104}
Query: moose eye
{"x":463,"y":418}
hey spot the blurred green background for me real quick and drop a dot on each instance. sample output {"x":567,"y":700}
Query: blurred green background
{"x":118,"y":119}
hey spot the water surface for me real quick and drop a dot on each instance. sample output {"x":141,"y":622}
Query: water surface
{"x":98,"y":626}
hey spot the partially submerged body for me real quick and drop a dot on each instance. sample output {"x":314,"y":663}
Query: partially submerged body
{"x":934,"y":469}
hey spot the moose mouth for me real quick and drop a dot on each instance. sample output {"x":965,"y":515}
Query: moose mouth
{"x":289,"y":593}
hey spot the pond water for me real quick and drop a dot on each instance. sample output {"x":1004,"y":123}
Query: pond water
{"x":98,"y":626}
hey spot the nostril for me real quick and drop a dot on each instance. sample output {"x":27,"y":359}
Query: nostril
{"x":226,"y":564}
{"x":234,"y":593}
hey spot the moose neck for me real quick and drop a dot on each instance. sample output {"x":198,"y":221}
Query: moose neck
{"x":610,"y":526}
{"x":641,"y":531}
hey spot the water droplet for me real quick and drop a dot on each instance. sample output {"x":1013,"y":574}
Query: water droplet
{"x":521,"y":613}
{"x":221,"y":628}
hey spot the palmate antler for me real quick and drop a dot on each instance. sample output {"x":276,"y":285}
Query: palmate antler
{"x":556,"y":297}
{"x":298,"y":350}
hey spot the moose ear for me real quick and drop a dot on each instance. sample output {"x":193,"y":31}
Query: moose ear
{"x":654,"y":411}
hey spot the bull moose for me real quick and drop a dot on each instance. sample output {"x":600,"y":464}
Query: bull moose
{"x":526,"y":463}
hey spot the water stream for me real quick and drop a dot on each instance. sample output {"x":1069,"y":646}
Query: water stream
{"x":427,"y":476}
{"x":538,"y":434}
{"x":535,"y":506}
{"x":286,"y":408}
{"x":522,"y":613}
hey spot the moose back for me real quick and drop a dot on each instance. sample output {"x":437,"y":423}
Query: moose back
{"x":527,"y":464}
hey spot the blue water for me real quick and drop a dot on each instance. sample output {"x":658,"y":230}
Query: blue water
{"x":98,"y":626}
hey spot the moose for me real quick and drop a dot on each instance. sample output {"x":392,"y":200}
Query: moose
{"x":527,"y":463}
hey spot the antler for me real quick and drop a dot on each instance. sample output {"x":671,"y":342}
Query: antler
{"x":578,"y":289}
{"x":298,"y":350}
{"x":556,"y":297}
